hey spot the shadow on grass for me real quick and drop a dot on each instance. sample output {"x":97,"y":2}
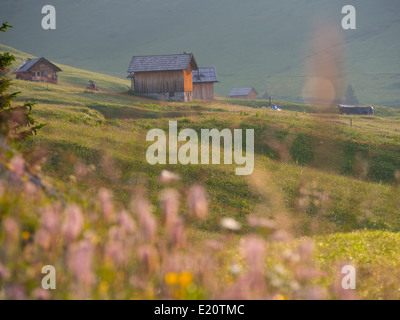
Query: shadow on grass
{"x":124,"y":112}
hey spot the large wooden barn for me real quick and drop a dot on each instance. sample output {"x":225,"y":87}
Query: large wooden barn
{"x":165,"y":77}
{"x":247,"y":93}
{"x":39,"y":69}
{"x":203,"y":83}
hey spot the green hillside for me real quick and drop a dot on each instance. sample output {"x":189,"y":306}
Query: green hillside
{"x":252,"y":43}
{"x":325,"y":187}
{"x":75,"y":76}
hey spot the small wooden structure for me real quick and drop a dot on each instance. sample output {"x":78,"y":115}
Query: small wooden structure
{"x":39,"y":69}
{"x":247,"y":93}
{"x":203,"y":83}
{"x":165,"y":77}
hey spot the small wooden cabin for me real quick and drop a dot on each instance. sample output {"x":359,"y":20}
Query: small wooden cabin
{"x":39,"y":69}
{"x":247,"y":93}
{"x":203,"y":83}
{"x":165,"y":77}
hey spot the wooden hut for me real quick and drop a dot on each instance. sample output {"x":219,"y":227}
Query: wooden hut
{"x":203,"y":83}
{"x":247,"y":93}
{"x":39,"y":69}
{"x":165,"y":77}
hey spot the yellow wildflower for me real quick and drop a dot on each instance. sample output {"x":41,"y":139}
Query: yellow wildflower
{"x":26,"y":235}
{"x":171,"y":279}
{"x":103,"y":287}
{"x":185,"y":279}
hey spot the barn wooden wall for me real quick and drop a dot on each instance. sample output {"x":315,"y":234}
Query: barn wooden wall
{"x":164,"y":81}
{"x":203,"y":91}
{"x":159,"y":82}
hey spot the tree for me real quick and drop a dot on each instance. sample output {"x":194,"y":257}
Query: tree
{"x":16,"y":122}
{"x":350,"y":97}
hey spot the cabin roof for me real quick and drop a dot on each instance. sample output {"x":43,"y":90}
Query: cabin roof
{"x":173,"y":62}
{"x":30,"y":63}
{"x":206,"y":74}
{"x":241,"y":91}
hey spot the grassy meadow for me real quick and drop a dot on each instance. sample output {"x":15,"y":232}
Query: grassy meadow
{"x":325,"y":193}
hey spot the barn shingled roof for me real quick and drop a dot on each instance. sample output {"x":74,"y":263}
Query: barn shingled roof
{"x":204,"y":75}
{"x":241,"y":91}
{"x":25,"y":67}
{"x":173,"y":62}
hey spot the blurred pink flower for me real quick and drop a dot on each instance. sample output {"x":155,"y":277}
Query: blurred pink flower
{"x":177,"y":234}
{"x":304,"y":273}
{"x":116,"y":234}
{"x":149,"y":258}
{"x":198,"y":203}
{"x":146,"y":220}
{"x":126,"y":221}
{"x":81,"y":170}
{"x":214,"y":245}
{"x":261,"y":223}
{"x":106,"y":204}
{"x":280,"y":236}
{"x":11,"y":228}
{"x":30,"y":189}
{"x":80,"y":262}
{"x":169,"y":206}
{"x":306,"y":250}
{"x":253,"y":250}
{"x":51,"y":218}
{"x":4,"y":272}
{"x":253,"y":282}
{"x":41,"y":294}
{"x":117,"y":246}
{"x":73,"y":223}
{"x":43,"y":239}
{"x":317,"y":293}
{"x":18,"y":166}
{"x":116,"y":252}
{"x":15,"y":292}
